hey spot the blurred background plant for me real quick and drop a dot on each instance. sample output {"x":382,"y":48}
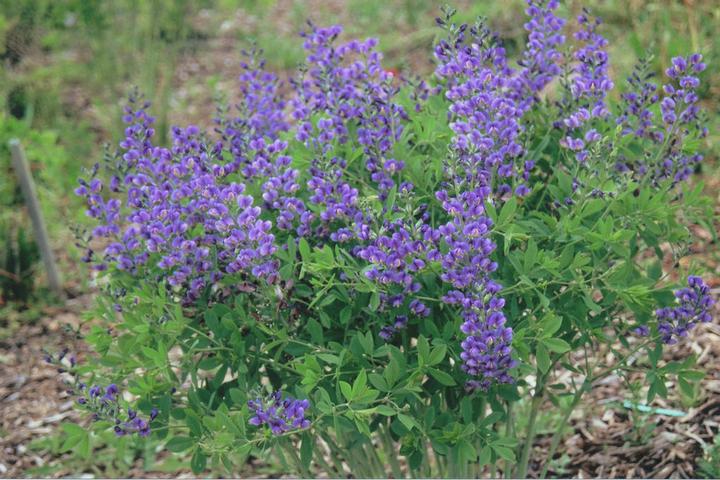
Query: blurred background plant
{"x":66,"y":67}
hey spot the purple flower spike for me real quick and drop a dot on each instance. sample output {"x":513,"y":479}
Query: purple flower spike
{"x":485,"y":115}
{"x":104,"y":404}
{"x":281,"y":416}
{"x":694,"y":306}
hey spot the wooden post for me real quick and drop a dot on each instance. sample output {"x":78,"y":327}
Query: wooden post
{"x":41,"y":237}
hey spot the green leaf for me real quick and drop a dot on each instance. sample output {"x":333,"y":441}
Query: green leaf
{"x":392,"y":373}
{"x":237,"y":396}
{"x":466,"y":451}
{"x":686,"y":387}
{"x":346,"y":390}
{"x":75,"y":435}
{"x":437,"y":355}
{"x":329,"y":358}
{"x":408,"y":421}
{"x":504,"y":452}
{"x":550,"y":324}
{"x":325,"y":256}
{"x":530,"y":255}
{"x":193,"y":423}
{"x":485,"y":455}
{"x":377,"y":381}
{"x":360,"y":383}
{"x":198,"y":462}
{"x":556,"y":345}
{"x":363,"y":426}
{"x":367,"y":342}
{"x":306,"y":450}
{"x":179,"y":444}
{"x":374,"y":302}
{"x":543,"y":358}
{"x":507,"y":212}
{"x":304,"y":250}
{"x":83,"y":448}
{"x":316,"y":331}
{"x":442,"y":377}
{"x":692,"y":375}
{"x":423,"y":350}
{"x":386,"y":410}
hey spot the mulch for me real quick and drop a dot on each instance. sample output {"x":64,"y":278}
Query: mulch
{"x":33,"y":400}
{"x":607,"y":440}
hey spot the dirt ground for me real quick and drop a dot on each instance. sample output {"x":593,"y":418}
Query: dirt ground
{"x":33,"y":401}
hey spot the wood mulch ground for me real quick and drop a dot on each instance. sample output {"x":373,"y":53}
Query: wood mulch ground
{"x":33,"y":401}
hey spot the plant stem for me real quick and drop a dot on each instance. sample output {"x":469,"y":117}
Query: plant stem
{"x":374,"y":461}
{"x":283,"y":460}
{"x":320,"y":459}
{"x":508,"y":433}
{"x":334,"y":454}
{"x":561,"y":428}
{"x":427,"y":463}
{"x":390,"y":452}
{"x":452,"y":464}
{"x":358,"y":469}
{"x":292,"y":453}
{"x":522,"y":466}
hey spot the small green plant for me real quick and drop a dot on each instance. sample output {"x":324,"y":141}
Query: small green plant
{"x":710,"y":463}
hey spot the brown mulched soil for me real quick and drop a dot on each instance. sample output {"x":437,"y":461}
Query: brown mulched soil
{"x":33,"y":400}
{"x":605,"y":440}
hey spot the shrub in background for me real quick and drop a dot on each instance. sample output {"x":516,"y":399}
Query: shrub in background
{"x":375,"y":269}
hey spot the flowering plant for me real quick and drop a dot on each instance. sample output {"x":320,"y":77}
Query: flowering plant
{"x":414,"y":261}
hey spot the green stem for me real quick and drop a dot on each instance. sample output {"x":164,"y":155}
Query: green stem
{"x":374,"y":460}
{"x":358,"y":469}
{"x":508,"y":434}
{"x":390,"y":452}
{"x":292,"y":453}
{"x":334,"y":454}
{"x":561,"y":429}
{"x":320,"y":459}
{"x":427,"y":466}
{"x":452,"y":463}
{"x":522,"y":467}
{"x":437,"y":471}
{"x":283,"y":460}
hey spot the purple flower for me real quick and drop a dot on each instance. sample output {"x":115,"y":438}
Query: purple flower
{"x":541,"y":57}
{"x":104,"y":404}
{"x":642,"y":331}
{"x":281,"y":416}
{"x":587,"y":90}
{"x":694,"y":306}
{"x":178,"y":211}
{"x":485,"y":117}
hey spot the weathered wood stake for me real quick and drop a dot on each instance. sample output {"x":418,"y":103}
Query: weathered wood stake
{"x":27,"y":185}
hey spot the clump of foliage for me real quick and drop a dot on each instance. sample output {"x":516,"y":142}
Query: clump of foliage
{"x":375,"y":268}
